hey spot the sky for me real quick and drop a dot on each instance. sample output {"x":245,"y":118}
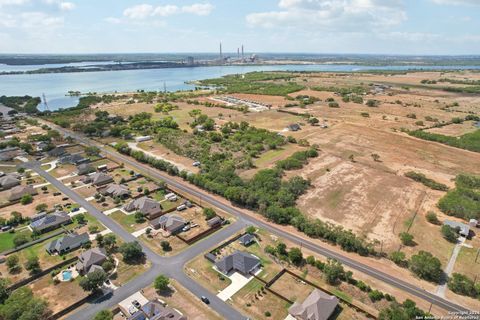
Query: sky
{"x":414,"y":27}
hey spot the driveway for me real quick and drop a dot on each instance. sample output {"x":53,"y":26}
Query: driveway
{"x":238,"y":282}
{"x":126,"y":304}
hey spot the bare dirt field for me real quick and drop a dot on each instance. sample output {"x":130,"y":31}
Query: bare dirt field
{"x":455,"y":130}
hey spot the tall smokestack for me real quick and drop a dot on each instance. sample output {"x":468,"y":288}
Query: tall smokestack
{"x":243,"y":56}
{"x":221,"y":53}
{"x":238,"y":53}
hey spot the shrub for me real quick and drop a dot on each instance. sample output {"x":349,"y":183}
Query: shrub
{"x":161,"y":283}
{"x":463,"y":285}
{"x":375,"y":295}
{"x":426,"y":266}
{"x":432,"y":217}
{"x":449,"y":234}
{"x":398,"y":258}
{"x":407,"y":239}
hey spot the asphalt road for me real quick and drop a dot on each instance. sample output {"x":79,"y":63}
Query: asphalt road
{"x":172,"y":267}
{"x":315,"y":247}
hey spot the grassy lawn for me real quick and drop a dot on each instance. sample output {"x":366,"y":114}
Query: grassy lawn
{"x":126,"y":272}
{"x":6,"y":239}
{"x":252,"y":301}
{"x":168,"y":205}
{"x":202,"y":271}
{"x":159,"y":195}
{"x":466,"y":264}
{"x":92,"y":221}
{"x":127,"y":221}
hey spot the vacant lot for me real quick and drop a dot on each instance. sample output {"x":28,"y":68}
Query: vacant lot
{"x":455,"y":130}
{"x":59,"y":296}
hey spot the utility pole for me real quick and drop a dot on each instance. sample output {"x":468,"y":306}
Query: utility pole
{"x":45,"y":102}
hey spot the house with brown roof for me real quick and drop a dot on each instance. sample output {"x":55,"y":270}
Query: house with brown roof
{"x":9,"y":181}
{"x":169,"y":222}
{"x":150,"y":208}
{"x":16,"y":193}
{"x":98,"y":179}
{"x":317,"y":306}
{"x":116,"y":190}
{"x":90,"y":260}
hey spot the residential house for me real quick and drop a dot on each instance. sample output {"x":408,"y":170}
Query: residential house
{"x":51,"y":221}
{"x":239,"y":261}
{"x":154,"y":310}
{"x":56,"y":152}
{"x":149,"y":207}
{"x":247,"y":239}
{"x":214,"y":222}
{"x":90,"y":258}
{"x":67,"y":243}
{"x":98,"y":179}
{"x":116,"y":190}
{"x":143,"y":138}
{"x":9,"y":181}
{"x":317,"y":306}
{"x":9,"y":154}
{"x":170,"y":223}
{"x":16,"y":193}
{"x":462,"y":228}
{"x":74,"y":159}
{"x":85,"y":168}
{"x":293,"y":127}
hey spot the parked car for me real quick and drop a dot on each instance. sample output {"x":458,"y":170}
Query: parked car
{"x":181,"y":207}
{"x":75,"y":209}
{"x":196,"y":164}
{"x":186,"y":228}
{"x":6,"y":228}
{"x":56,"y":193}
{"x":205,"y":300}
{"x":136,"y":304}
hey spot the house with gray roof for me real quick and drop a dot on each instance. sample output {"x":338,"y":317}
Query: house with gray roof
{"x":51,"y":221}
{"x":16,"y":193}
{"x":56,"y":152}
{"x":74,"y":159}
{"x":9,"y":181}
{"x":9,"y":154}
{"x":239,"y":261}
{"x":98,"y":179}
{"x":462,"y":228}
{"x":116,"y":190}
{"x":149,"y":207}
{"x":169,"y":222}
{"x":85,"y":168}
{"x":67,"y":243}
{"x":247,"y":239}
{"x":90,"y":258}
{"x":154,"y":310}
{"x":317,"y":306}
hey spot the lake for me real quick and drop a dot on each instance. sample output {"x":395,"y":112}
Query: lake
{"x":55,"y":86}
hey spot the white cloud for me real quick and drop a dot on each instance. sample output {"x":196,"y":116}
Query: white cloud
{"x":113,"y":20}
{"x":66,"y":6}
{"x":140,"y":11}
{"x":338,"y":15}
{"x":143,"y":11}
{"x":200,"y":9}
{"x":13,"y":2}
{"x":457,"y":2}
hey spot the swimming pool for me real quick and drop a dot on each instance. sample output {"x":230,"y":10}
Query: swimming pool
{"x":66,"y":275}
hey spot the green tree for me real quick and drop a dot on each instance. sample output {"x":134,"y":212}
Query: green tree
{"x":209,"y":213}
{"x":449,"y":234}
{"x":426,"y":266}
{"x":20,"y":239}
{"x":104,"y":315}
{"x":80,"y":218}
{"x":295,"y":255}
{"x":33,"y":264}
{"x":139,"y":217}
{"x":108,"y":266}
{"x":398,"y":257}
{"x":26,"y":199}
{"x":432,"y":217}
{"x":165,"y":245}
{"x":4,"y":284}
{"x":463,"y":285}
{"x":12,"y":263}
{"x":407,"y":239}
{"x":109,"y":242}
{"x":250,"y":230}
{"x":131,"y":251}
{"x":281,"y":249}
{"x":333,"y":271}
{"x":161,"y":283}
{"x":23,"y":305}
{"x":93,"y":280}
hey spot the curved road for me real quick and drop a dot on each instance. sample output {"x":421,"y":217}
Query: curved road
{"x":246,"y":219}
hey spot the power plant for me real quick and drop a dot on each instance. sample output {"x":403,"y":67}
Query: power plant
{"x":223,"y":58}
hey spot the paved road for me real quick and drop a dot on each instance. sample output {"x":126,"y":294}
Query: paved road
{"x":315,"y":247}
{"x":171,"y":266}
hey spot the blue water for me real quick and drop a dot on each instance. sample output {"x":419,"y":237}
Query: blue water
{"x":67,"y":275}
{"x":55,"y":86}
